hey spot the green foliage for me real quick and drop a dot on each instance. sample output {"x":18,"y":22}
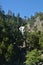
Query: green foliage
{"x":33,"y":57}
{"x":2,"y":47}
{"x":10,"y":34}
{"x":41,"y":41}
{"x":0,"y":51}
{"x":9,"y":52}
{"x":32,"y":40}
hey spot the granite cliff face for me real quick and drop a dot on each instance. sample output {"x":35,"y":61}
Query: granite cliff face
{"x":36,"y":26}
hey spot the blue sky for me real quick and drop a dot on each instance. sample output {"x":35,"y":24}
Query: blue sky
{"x":24,"y":7}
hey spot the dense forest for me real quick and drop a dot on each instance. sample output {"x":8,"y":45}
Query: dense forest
{"x":12,"y":41}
